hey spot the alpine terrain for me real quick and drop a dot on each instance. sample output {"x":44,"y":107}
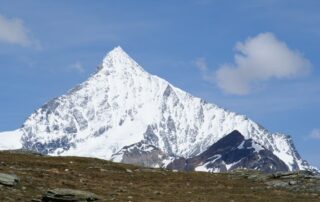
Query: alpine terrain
{"x":124,"y":114}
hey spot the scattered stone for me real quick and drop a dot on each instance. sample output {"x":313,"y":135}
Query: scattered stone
{"x":158,"y":192}
{"x":129,"y":171}
{"x":60,"y":194}
{"x":53,"y":170}
{"x":292,"y":182}
{"x":281,"y":174}
{"x":114,"y":194}
{"x":103,"y":170}
{"x":277,"y":184}
{"x":9,"y":179}
{"x":149,"y":170}
{"x":306,"y":172}
{"x":122,"y":189}
{"x":317,"y":177}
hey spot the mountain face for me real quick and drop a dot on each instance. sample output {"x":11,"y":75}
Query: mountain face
{"x":125,"y":114}
{"x":229,"y":153}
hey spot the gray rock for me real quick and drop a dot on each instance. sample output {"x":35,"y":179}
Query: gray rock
{"x":277,"y":184}
{"x":306,"y":172}
{"x":61,"y":195}
{"x":23,"y":151}
{"x":9,"y":179}
{"x":292,"y":182}
{"x":258,"y":177}
{"x":282,"y":174}
{"x":129,"y":171}
{"x":142,"y":154}
{"x":316,"y":177}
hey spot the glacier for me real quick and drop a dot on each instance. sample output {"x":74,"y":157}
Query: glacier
{"x":121,"y":104}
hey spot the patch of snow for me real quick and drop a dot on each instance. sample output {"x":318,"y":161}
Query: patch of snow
{"x":241,"y":145}
{"x":10,"y":140}
{"x":167,"y":161}
{"x":203,"y":168}
{"x":214,"y":158}
{"x":257,"y":147}
{"x":228,"y":166}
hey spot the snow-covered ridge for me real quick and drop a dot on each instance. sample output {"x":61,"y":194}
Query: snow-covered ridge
{"x":121,"y":104}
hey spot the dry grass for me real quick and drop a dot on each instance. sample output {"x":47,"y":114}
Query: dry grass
{"x":116,"y":182}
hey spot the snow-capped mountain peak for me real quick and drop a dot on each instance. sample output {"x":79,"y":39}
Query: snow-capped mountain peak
{"x":118,"y":60}
{"x":122,"y":104}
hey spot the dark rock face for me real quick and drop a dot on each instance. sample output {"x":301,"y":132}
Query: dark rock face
{"x":46,"y":148}
{"x":9,"y":179}
{"x":58,"y":194}
{"x":229,"y":153}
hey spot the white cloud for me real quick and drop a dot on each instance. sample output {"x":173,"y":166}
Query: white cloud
{"x":78,"y":67}
{"x":13,"y":31}
{"x":201,"y":64}
{"x":315,"y":134}
{"x":257,"y":60}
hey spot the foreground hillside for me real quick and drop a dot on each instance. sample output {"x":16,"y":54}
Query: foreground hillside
{"x":120,"y":182}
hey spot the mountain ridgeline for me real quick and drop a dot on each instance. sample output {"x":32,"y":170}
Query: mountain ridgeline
{"x":123,"y":113}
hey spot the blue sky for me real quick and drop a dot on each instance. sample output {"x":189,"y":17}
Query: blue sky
{"x":206,"y":47}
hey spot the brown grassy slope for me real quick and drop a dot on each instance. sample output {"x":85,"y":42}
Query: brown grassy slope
{"x":120,"y":182}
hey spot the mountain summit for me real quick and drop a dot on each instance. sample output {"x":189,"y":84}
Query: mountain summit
{"x":125,"y":114}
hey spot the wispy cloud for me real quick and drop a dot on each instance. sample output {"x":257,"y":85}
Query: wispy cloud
{"x":202,"y":65}
{"x":13,"y":31}
{"x":315,"y":134}
{"x":78,"y":67}
{"x":257,"y":60}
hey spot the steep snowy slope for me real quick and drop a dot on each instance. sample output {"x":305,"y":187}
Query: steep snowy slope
{"x":121,"y":105}
{"x":10,"y":140}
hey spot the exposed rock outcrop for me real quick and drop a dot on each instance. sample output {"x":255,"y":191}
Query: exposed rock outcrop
{"x":61,"y":195}
{"x":9,"y":179}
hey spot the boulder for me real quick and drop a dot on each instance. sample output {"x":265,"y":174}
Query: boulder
{"x":61,"y":195}
{"x":9,"y":179}
{"x":277,"y":184}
